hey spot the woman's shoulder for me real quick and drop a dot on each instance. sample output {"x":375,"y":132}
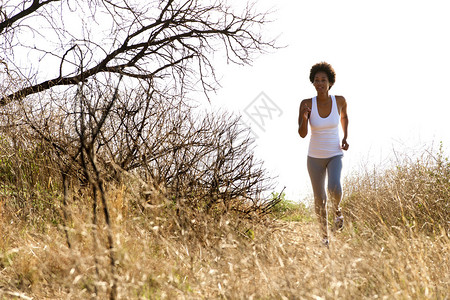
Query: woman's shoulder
{"x":340,"y":100}
{"x":307,"y":101}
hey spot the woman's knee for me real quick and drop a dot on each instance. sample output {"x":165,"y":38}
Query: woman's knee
{"x":334,"y":177}
{"x":320,"y":197}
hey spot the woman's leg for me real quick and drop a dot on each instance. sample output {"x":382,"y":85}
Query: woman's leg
{"x":334,"y":170}
{"x":317,"y":172}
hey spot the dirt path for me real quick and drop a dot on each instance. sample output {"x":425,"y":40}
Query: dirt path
{"x":306,"y":235}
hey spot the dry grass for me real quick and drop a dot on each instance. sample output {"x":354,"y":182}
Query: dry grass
{"x":414,"y":193}
{"x":390,"y":249}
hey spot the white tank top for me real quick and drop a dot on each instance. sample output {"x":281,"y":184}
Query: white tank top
{"x":324,"y":142}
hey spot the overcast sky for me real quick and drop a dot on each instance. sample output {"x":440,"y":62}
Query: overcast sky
{"x":392,"y":64}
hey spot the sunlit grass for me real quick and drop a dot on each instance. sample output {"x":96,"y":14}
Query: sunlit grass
{"x":395,"y":246}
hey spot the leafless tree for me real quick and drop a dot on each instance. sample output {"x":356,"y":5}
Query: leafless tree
{"x":197,"y":155}
{"x":104,"y":84}
{"x":164,"y":46}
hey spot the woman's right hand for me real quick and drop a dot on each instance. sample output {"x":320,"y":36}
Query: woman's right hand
{"x":303,"y":115}
{"x":305,"y":111}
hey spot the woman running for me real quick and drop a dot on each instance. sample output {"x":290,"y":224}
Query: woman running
{"x":324,"y":113}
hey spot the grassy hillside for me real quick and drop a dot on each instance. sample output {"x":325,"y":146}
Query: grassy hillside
{"x":395,"y":244}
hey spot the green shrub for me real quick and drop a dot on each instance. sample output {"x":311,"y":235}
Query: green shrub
{"x":290,"y":210}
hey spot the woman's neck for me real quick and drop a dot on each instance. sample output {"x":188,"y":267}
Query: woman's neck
{"x":322,"y":97}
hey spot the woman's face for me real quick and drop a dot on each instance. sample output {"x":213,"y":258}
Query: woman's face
{"x":321,"y":82}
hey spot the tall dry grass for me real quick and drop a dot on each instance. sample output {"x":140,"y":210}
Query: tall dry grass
{"x":413,"y":193}
{"x":391,"y":247}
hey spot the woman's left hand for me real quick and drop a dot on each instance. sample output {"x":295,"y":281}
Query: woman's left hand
{"x":344,"y":144}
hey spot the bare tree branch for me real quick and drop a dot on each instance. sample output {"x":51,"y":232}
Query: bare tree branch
{"x":9,"y":21}
{"x":149,"y":41}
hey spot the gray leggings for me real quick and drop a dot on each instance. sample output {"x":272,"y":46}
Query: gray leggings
{"x":317,"y":169}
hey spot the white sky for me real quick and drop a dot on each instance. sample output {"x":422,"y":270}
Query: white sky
{"x":393,"y":67}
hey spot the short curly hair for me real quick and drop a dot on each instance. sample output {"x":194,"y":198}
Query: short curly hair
{"x":323,"y":67}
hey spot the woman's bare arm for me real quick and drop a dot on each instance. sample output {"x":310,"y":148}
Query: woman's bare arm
{"x":344,"y":122}
{"x":303,"y":116}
